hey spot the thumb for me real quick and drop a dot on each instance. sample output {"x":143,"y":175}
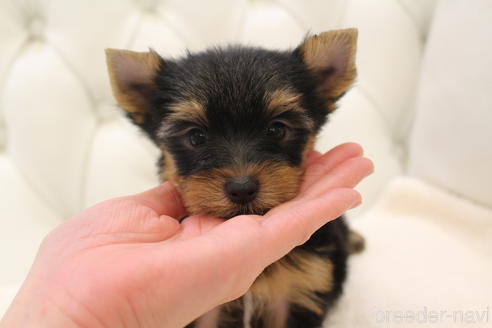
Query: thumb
{"x":294,"y":224}
{"x":145,"y":217}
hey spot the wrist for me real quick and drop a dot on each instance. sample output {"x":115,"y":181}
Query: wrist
{"x":33,"y":307}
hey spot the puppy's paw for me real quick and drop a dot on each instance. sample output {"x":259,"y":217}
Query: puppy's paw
{"x":355,"y":242}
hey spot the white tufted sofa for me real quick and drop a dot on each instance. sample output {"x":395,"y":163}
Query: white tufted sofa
{"x":426,"y":122}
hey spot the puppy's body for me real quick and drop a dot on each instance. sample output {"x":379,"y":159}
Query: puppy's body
{"x":235,"y":126}
{"x":295,"y":292}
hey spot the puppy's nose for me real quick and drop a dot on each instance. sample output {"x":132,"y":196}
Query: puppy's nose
{"x":241,"y":190}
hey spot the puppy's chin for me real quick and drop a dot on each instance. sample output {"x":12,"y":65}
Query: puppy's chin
{"x":248,"y":211}
{"x":227,"y":214}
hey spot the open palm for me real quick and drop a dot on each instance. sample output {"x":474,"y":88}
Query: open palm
{"x":130,"y":262}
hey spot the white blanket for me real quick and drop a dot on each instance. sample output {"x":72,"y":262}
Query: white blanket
{"x":427,"y":263}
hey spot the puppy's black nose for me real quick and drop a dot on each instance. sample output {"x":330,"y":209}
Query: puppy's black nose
{"x":241,"y":190}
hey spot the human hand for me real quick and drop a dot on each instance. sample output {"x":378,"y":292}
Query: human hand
{"x":129,"y":262}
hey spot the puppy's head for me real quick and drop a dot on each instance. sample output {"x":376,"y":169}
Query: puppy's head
{"x":235,"y":124}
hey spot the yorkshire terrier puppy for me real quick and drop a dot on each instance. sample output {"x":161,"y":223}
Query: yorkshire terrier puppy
{"x":235,"y":126}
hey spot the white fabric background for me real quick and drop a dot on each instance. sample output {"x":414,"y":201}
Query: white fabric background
{"x":451,"y":142}
{"x":64,"y":145}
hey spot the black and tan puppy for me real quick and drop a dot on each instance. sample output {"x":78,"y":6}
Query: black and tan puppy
{"x":235,"y":125}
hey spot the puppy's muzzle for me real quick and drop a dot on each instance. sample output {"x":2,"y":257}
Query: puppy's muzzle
{"x":242,"y":190}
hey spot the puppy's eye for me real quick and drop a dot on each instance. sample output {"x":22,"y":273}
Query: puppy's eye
{"x":197,"y":137}
{"x":276,"y":130}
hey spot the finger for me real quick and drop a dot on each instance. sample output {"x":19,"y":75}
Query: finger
{"x":323,"y":164}
{"x":164,"y":199}
{"x":197,"y":225}
{"x":312,"y":157}
{"x":346,"y":175}
{"x":293,"y":226}
{"x":154,"y":230}
{"x":236,"y":242}
{"x":124,"y":220}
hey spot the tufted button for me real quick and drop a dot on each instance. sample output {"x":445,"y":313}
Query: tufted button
{"x":149,"y":6}
{"x":36,"y":28}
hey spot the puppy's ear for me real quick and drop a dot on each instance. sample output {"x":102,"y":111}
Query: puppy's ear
{"x":330,"y":56}
{"x":132,"y":80}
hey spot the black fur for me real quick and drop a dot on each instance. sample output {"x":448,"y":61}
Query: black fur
{"x":231,"y":84}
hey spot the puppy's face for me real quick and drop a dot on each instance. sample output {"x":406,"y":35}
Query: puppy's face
{"x":235,"y":124}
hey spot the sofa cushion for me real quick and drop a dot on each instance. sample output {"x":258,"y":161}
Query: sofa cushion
{"x":452,"y":133}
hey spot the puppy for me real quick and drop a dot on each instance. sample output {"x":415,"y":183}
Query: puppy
{"x":235,"y":126}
